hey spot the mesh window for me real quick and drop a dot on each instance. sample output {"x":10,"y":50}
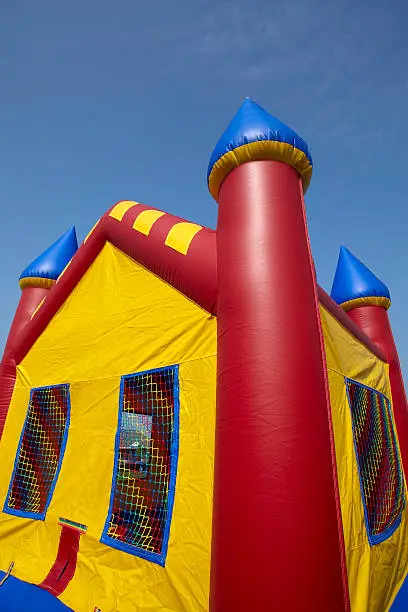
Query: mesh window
{"x":145,"y":464}
{"x":40,"y":452}
{"x":379,"y":463}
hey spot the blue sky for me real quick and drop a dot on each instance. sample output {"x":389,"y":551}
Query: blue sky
{"x":104,"y":101}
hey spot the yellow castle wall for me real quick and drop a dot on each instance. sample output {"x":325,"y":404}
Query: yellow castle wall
{"x":120,"y":319}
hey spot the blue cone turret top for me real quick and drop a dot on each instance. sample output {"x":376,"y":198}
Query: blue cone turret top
{"x":46,"y":268}
{"x":254,"y":135}
{"x":355,"y":285}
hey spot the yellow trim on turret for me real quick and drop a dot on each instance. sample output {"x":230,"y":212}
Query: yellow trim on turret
{"x":33,"y":281}
{"x":257,"y":151}
{"x":366,"y":301}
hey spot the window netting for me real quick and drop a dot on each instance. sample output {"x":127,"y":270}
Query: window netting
{"x":40,"y":450}
{"x":146,"y":455}
{"x":379,"y":462}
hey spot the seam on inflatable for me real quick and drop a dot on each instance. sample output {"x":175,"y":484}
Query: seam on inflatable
{"x":115,"y":376}
{"x":358,"y":334}
{"x":346,"y":595}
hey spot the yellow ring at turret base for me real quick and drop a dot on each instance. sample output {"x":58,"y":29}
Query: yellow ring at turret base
{"x":33,"y":281}
{"x":257,"y":151}
{"x":366,"y":301}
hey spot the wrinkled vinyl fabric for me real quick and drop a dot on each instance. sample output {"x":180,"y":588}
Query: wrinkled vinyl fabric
{"x":120,"y":319}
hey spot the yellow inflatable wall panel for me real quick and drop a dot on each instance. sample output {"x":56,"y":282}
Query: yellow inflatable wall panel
{"x":375,"y":573}
{"x":120,"y":319}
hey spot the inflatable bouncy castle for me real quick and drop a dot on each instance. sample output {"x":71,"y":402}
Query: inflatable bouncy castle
{"x":190,"y":423}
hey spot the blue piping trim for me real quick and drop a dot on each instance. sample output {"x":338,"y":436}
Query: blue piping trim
{"x":40,"y":516}
{"x":387,"y":533}
{"x":160,"y":559}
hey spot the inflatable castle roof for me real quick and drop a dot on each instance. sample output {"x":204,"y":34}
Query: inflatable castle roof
{"x":180,"y":252}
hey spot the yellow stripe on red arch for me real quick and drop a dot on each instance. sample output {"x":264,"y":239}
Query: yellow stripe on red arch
{"x":38,"y":308}
{"x":121,"y":208}
{"x":258,"y":151}
{"x":181,"y":235}
{"x":146,"y":219}
{"x":64,"y":270}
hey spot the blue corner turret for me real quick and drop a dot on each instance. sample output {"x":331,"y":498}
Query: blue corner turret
{"x":355,"y":285}
{"x":46,"y":268}
{"x":253,"y":135}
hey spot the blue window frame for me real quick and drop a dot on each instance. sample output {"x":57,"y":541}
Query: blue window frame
{"x":378,"y":458}
{"x":145,"y":467}
{"x":40,"y":452}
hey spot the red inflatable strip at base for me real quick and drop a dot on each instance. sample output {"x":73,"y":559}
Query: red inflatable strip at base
{"x":64,"y":567}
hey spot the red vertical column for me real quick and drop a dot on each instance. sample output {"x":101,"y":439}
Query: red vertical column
{"x":375,"y":323}
{"x":277,"y":533}
{"x":29,"y":301}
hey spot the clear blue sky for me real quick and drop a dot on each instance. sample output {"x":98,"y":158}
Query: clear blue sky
{"x":103,"y":101}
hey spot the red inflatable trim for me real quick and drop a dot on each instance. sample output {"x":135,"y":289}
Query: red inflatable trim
{"x":64,"y":566}
{"x":7,"y":381}
{"x":29,"y":300}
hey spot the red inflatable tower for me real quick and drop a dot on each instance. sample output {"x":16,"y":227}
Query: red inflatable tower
{"x":366,"y":299}
{"x":275,"y":495}
{"x":33,"y":292}
{"x":35,"y":282}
